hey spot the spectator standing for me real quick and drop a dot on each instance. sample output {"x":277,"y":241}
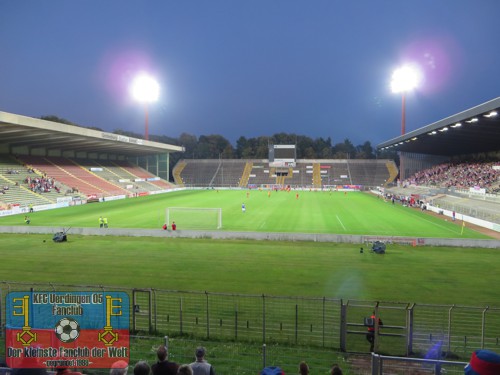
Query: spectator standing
{"x":164,"y":366}
{"x":142,"y":368}
{"x":185,"y":370}
{"x":303,"y":368}
{"x":370,"y":336}
{"x":201,"y":366}
{"x":336,"y":370}
{"x":119,"y":368}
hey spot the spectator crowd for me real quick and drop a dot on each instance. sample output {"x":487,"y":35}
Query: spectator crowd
{"x":461,"y":176}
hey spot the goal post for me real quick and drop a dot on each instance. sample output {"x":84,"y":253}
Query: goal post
{"x":194,"y":217}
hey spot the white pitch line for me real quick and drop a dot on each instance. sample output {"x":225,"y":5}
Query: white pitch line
{"x":338,"y":218}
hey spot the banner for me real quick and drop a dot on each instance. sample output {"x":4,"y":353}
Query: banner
{"x":66,"y":329}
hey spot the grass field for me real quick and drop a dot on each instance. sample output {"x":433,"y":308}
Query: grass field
{"x":404,"y":273}
{"x":312,"y":212}
{"x":422,"y":274}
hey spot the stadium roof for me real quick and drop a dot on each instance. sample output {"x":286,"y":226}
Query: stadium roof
{"x":472,"y":131}
{"x":18,"y":132}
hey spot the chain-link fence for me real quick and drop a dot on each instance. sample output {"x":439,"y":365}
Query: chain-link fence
{"x":318,"y":324}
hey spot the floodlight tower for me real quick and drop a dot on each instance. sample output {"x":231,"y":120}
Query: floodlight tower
{"x":145,"y":89}
{"x":404,"y":79}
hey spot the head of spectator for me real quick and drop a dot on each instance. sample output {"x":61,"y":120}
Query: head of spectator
{"x":303,"y":368}
{"x":483,"y":362}
{"x":336,"y":370}
{"x":141,"y":368}
{"x":119,"y":368}
{"x":185,"y":370}
{"x":162,"y":353}
{"x":200,"y":353}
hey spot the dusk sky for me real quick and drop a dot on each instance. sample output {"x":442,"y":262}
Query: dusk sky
{"x":320,"y":68}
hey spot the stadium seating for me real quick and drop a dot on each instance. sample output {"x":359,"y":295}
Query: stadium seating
{"x":75,"y":177}
{"x":15,"y":191}
{"x":305,"y":174}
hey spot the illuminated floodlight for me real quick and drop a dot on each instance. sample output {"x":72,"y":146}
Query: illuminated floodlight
{"x":443,"y":129}
{"x":405,"y":79}
{"x":472,"y":120}
{"x":491,"y":114}
{"x":145,"y":89}
{"x":414,"y":138}
{"x":457,"y":125}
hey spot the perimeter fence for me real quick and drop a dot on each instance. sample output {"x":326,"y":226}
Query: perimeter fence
{"x":319,"y":324}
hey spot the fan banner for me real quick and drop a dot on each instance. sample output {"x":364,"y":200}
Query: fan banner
{"x":72,"y":329}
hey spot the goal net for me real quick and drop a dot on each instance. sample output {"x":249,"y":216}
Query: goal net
{"x":194,"y":218}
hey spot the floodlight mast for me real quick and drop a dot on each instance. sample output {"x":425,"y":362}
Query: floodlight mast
{"x":146,"y":90}
{"x":404,"y":79}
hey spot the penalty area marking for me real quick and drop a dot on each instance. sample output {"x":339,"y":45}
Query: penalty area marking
{"x":338,"y":218}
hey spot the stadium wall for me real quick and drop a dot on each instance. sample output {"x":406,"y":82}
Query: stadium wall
{"x":262,"y":236}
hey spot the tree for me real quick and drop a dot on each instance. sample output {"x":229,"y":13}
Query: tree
{"x":365,"y":151}
{"x":344,"y":150}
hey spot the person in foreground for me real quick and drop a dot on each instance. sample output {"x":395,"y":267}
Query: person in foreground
{"x":164,"y":366}
{"x":201,"y":366}
{"x":336,"y":370}
{"x":483,"y":362}
{"x":142,"y":368}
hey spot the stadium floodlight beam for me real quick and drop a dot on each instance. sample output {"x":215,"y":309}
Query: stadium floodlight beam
{"x":145,"y":89}
{"x":405,"y":79}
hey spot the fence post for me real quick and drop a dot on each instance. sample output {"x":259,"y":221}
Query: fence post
{"x":483,"y":326}
{"x":155,"y":312}
{"x":376,"y":364}
{"x":323,"y":323}
{"x":449,"y":328}
{"x":263,"y":319}
{"x":150,"y":317}
{"x":409,"y":329}
{"x":180,"y":314}
{"x":208,"y":315}
{"x":377,"y":327}
{"x":296,"y":322}
{"x":343,"y":326}
{"x":264,"y":355}
{"x":236,"y":322}
{"x":165,"y":340}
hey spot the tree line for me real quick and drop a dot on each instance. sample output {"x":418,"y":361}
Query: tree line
{"x":216,"y":146}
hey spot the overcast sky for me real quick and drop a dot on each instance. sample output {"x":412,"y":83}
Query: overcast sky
{"x":320,"y":68}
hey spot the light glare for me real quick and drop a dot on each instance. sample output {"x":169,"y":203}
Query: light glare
{"x":405,"y":79}
{"x":145,"y":88}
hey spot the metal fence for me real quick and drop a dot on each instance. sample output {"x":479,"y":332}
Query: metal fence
{"x":324,"y":323}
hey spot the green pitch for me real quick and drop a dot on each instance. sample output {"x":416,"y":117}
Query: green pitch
{"x":405,"y":273}
{"x":420,"y":274}
{"x":312,"y":212}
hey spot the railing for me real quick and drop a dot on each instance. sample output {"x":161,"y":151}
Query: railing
{"x":409,"y":329}
{"x":397,"y":365}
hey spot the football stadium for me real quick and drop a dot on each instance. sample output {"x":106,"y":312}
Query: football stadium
{"x":380,"y":266}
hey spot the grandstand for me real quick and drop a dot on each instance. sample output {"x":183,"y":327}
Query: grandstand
{"x":454,"y":163}
{"x":320,"y":173}
{"x":43,"y":162}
